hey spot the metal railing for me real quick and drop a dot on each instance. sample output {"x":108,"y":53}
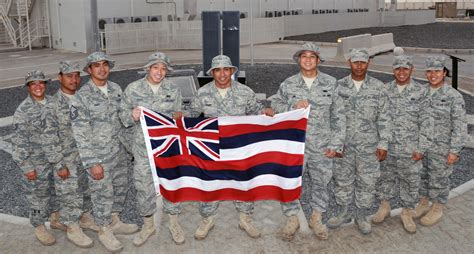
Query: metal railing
{"x":8,"y":25}
{"x":38,"y":29}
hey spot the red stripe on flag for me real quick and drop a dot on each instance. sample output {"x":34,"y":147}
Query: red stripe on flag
{"x":239,"y":129}
{"x":258,"y":193}
{"x":241,"y":165}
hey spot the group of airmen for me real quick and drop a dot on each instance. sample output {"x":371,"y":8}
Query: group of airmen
{"x":375,"y":140}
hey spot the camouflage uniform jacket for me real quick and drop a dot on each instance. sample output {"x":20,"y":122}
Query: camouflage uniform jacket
{"x":448,"y":113}
{"x":166,"y":101}
{"x":367,"y":113}
{"x":411,"y":125}
{"x":57,"y":138}
{"x":96,"y":124}
{"x":26,"y":140}
{"x":326,"y":122}
{"x":239,"y":100}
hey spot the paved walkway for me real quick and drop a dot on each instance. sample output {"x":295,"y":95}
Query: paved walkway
{"x":14,"y":65}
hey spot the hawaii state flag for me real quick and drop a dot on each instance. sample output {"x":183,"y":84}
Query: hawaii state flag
{"x":246,"y":158}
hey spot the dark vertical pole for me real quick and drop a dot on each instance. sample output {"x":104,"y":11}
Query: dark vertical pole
{"x":454,"y":77}
{"x":231,"y":36}
{"x":211,"y":37}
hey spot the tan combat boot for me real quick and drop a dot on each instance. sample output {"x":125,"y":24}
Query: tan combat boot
{"x":54,"y":222}
{"x":148,"y":229}
{"x":76,"y":236}
{"x":107,"y":238}
{"x":87,"y":222}
{"x":433,"y":216}
{"x":422,"y":208}
{"x":319,"y":229}
{"x":177,"y":232}
{"x":44,"y":236}
{"x":246,"y":224}
{"x":288,"y":231}
{"x":120,"y":228}
{"x":206,"y":224}
{"x":407,"y":220}
{"x":382,"y":213}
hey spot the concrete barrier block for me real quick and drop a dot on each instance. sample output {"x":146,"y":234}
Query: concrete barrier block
{"x":344,"y":44}
{"x":381,"y":43}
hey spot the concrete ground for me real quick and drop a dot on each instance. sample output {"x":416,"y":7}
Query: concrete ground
{"x":452,"y":235}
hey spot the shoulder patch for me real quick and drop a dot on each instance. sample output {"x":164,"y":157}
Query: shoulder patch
{"x":73,"y":112}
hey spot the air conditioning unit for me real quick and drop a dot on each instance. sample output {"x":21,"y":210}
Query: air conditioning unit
{"x":103,"y":21}
{"x":328,"y":11}
{"x":244,"y":15}
{"x":139,"y":19}
{"x":299,"y":12}
{"x":314,"y":11}
{"x":278,"y":13}
{"x":121,"y":20}
{"x":268,"y":14}
{"x":154,"y":18}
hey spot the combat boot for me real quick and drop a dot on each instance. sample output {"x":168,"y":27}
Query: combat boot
{"x":319,"y":229}
{"x":87,"y":222}
{"x":433,"y":216}
{"x":342,"y":217}
{"x":361,"y":220}
{"x":422,"y":208}
{"x":246,"y":224}
{"x":407,"y":220}
{"x":382,"y":213}
{"x":44,"y":236}
{"x":76,"y":236}
{"x":177,"y":232}
{"x":107,"y":238}
{"x":206,"y":224}
{"x":54,"y":222}
{"x":120,"y":228}
{"x":292,"y":225}
{"x":148,"y":229}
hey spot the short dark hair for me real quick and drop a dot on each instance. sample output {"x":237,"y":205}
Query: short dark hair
{"x":447,"y":72}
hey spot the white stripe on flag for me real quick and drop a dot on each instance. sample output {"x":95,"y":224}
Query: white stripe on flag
{"x":261,"y":180}
{"x":244,"y":152}
{"x":265,"y":120}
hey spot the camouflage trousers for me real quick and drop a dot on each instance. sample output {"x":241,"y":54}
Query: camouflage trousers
{"x":319,"y":170}
{"x":73,"y":193}
{"x":355,"y":175}
{"x":41,"y":195}
{"x":435,"y":177}
{"x":207,"y":209}
{"x":400,"y":175}
{"x":143,"y":181}
{"x":290,"y":208}
{"x":109,"y":193}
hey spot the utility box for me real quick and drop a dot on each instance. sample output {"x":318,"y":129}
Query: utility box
{"x":211,"y":37}
{"x":446,"y":9}
{"x":231,"y":37}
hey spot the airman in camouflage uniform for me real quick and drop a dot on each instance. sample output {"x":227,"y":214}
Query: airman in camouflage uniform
{"x":29,"y":156}
{"x":154,"y":92}
{"x":324,"y":136}
{"x":225,"y":97}
{"x":97,"y":128}
{"x":59,"y":146}
{"x":450,"y":131}
{"x":367,"y":135}
{"x":400,"y":172}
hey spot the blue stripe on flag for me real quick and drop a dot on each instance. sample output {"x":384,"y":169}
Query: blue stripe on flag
{"x":207,"y":175}
{"x":250,"y":138}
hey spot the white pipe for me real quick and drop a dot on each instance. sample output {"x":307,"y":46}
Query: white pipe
{"x":49,"y":25}
{"x":28,"y":24}
{"x":251,"y":34}
{"x":58,"y":23}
